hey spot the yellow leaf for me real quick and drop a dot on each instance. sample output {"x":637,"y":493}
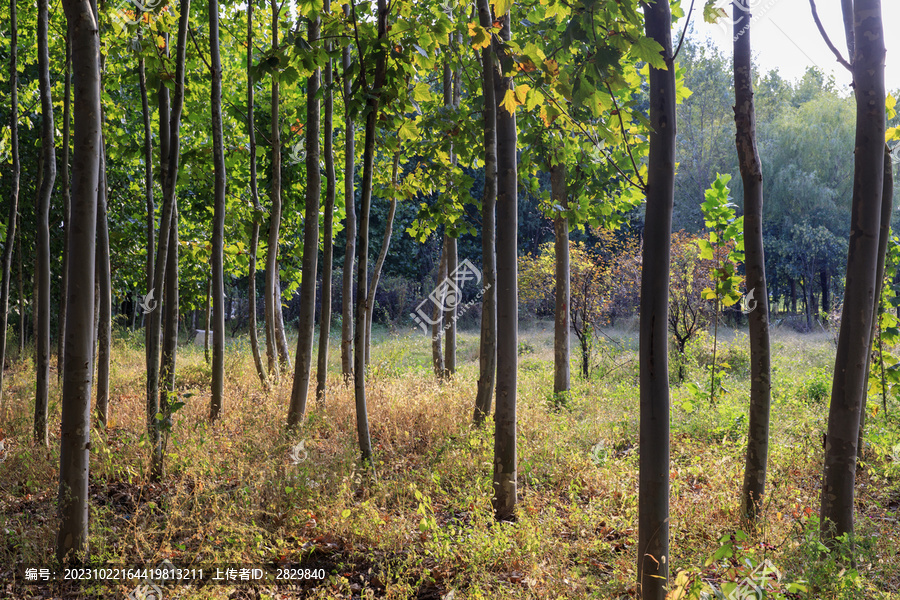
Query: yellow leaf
{"x":501,"y":7}
{"x":161,"y":41}
{"x":522,"y":93}
{"x":481,"y":36}
{"x":892,"y":134}
{"x":509,"y":102}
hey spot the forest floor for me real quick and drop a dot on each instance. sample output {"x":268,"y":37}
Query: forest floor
{"x":244,"y":492}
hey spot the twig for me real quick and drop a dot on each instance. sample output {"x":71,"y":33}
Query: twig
{"x":840,"y":59}
{"x":684,"y":32}
{"x":625,"y":136}
{"x":199,"y":51}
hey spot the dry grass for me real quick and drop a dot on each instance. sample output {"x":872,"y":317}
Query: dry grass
{"x":424,"y":528}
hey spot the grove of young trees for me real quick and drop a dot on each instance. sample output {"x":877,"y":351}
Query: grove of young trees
{"x":453,"y":166}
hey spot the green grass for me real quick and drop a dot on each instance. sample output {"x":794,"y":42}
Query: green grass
{"x":424,"y":528}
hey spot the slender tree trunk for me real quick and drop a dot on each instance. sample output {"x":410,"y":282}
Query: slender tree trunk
{"x":561,"y":378}
{"x":755,"y":262}
{"x":170,"y":337}
{"x":21,"y":282}
{"x":826,"y":297}
{"x":852,"y":354}
{"x":148,"y":172}
{"x":170,"y":148}
{"x":74,"y":464}
{"x":274,"y":218}
{"x":350,"y":224}
{"x":104,"y":280}
{"x":437,"y":319}
{"x":884,"y":234}
{"x":382,"y":255}
{"x":487,"y":353}
{"x":505,"y":457}
{"x":328,"y":231}
{"x":284,"y":358}
{"x":359,"y":342}
{"x":42,"y":274}
{"x":257,"y":209}
{"x":307,"y":321}
{"x":450,"y":248}
{"x":64,"y":185}
{"x":14,"y":195}
{"x":208,"y":320}
{"x":653,"y":497}
{"x":218,"y":234}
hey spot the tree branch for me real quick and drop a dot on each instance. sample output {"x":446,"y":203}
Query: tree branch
{"x":840,"y":59}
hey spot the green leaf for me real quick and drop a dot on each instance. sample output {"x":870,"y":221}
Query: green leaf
{"x":501,"y":7}
{"x":649,"y":51}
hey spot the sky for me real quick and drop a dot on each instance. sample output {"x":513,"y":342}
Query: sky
{"x":784,"y":36}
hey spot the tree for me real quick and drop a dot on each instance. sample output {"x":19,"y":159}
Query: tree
{"x":75,"y":426}
{"x":48,"y":156}
{"x":218,"y":225}
{"x":755,"y":265}
{"x":350,"y":224}
{"x":257,"y":209}
{"x":487,"y":351}
{"x":867,"y":52}
{"x":653,"y":494}
{"x":505,"y":457}
{"x":306,"y":323}
{"x":14,"y":194}
{"x":328,"y":229}
{"x":559,"y":195}
{"x":688,"y":311}
{"x":64,"y":185}
{"x":104,"y":290}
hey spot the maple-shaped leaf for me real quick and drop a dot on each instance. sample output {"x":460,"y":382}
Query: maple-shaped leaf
{"x":509,"y":102}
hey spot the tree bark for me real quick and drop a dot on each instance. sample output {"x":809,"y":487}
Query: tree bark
{"x":450,"y":247}
{"x":170,"y":148}
{"x":561,"y":376}
{"x":64,"y":188}
{"x":307,"y":322}
{"x":350,"y":224}
{"x":75,"y":426}
{"x":104,"y":288}
{"x":170,"y":339}
{"x":148,"y":172}
{"x":207,"y":322}
{"x":755,"y":263}
{"x":653,"y":497}
{"x":437,"y":318}
{"x":14,"y":195}
{"x":359,"y":345}
{"x":272,"y":344}
{"x":382,"y":255}
{"x":42,"y":276}
{"x":852,"y":356}
{"x":505,"y":458}
{"x":216,"y":403}
{"x":328,"y":229}
{"x":257,"y":209}
{"x":487,"y":352}
{"x":884,"y":234}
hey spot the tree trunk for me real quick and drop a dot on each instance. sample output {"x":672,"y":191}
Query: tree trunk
{"x":64,"y":188}
{"x":104,"y":287}
{"x":852,"y":354}
{"x":21,"y":298}
{"x":653,"y":497}
{"x":359,"y":342}
{"x":148,"y":172}
{"x":42,"y":275}
{"x":257,"y":209}
{"x":793,"y":284}
{"x":350,"y":224}
{"x":14,"y":195}
{"x":284,"y":358}
{"x":450,"y":250}
{"x":561,"y":379}
{"x":328,"y":231}
{"x":437,"y":321}
{"x":505,"y":458}
{"x":170,"y":149}
{"x":207,"y":324}
{"x":170,"y":339}
{"x":272,"y":345}
{"x":216,"y":401}
{"x":487,"y":353}
{"x":826,"y":293}
{"x":884,"y":234}
{"x":382,"y":255}
{"x":75,"y":427}
{"x":755,"y":263}
{"x":307,"y":322}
